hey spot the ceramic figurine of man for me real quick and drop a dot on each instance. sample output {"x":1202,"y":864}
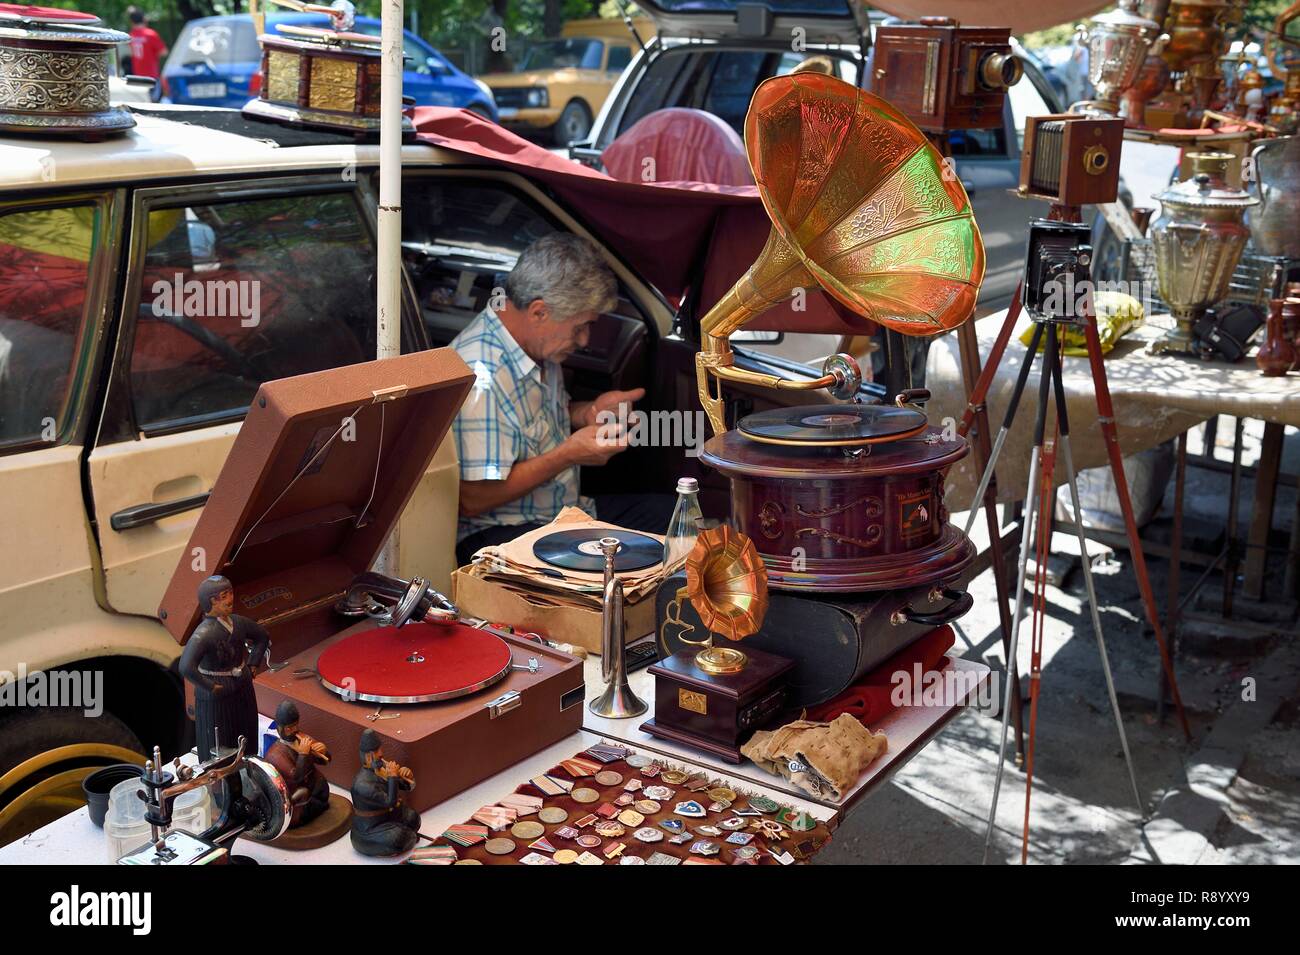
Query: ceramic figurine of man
{"x":381,"y":825}
{"x":220,"y":662}
{"x":297,"y":757}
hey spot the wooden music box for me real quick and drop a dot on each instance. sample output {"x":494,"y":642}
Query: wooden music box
{"x":1071,"y":159}
{"x":943,"y":75}
{"x":717,"y":712}
{"x":320,"y":78}
{"x":319,"y":474}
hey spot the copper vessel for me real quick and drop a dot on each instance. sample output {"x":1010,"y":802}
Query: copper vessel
{"x":1198,"y":241}
{"x":1151,"y":80}
{"x":861,"y":207}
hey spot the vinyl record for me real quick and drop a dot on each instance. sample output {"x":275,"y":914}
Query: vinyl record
{"x":580,"y":550}
{"x":833,"y":424}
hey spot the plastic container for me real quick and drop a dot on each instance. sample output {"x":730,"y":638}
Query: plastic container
{"x":124,"y":823}
{"x":99,"y":784}
{"x":683,"y":529}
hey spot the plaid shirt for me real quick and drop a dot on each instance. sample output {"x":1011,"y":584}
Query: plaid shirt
{"x":516,"y":409}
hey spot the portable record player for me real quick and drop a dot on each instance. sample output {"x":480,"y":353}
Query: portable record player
{"x":326,"y":78}
{"x":318,"y":476}
{"x":54,"y":73}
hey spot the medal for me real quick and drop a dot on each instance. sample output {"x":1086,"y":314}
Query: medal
{"x":690,"y":809}
{"x":648,"y":834}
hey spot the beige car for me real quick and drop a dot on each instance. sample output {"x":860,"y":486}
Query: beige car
{"x":121,"y":394}
{"x":559,"y":85}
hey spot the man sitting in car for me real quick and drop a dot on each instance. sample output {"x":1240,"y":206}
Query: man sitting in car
{"x":521,"y":440}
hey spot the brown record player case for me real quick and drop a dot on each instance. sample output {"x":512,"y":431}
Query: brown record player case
{"x":291,"y":525}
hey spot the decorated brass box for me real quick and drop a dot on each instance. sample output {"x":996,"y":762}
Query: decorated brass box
{"x":54,"y":74}
{"x":320,"y":78}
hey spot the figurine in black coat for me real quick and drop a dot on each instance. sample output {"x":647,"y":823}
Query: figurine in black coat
{"x":220,"y":661}
{"x":381,"y":825}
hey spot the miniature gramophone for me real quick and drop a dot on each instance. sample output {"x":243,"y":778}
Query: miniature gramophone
{"x":942,"y":75}
{"x":1118,"y":42}
{"x":326,"y":78}
{"x":715,"y":697}
{"x":54,"y":73}
{"x":1198,"y":240}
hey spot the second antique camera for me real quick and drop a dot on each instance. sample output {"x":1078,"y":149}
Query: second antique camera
{"x":1071,"y":159}
{"x":944,"y":75}
{"x":1058,"y":270}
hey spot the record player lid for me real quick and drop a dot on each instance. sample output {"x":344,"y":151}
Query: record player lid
{"x":322,"y":468}
{"x":840,"y":425}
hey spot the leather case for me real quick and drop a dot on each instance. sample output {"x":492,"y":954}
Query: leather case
{"x":321,"y":470}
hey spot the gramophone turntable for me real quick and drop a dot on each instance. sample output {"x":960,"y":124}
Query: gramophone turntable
{"x":843,"y":502}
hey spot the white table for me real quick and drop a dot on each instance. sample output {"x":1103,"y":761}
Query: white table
{"x":75,"y":840}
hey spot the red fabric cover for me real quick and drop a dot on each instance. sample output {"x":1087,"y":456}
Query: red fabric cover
{"x":869,"y":700}
{"x":682,"y":145}
{"x":45,"y":13}
{"x":374,"y":662}
{"x":666,"y":231}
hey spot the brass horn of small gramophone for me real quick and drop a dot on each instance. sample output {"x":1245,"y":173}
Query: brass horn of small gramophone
{"x":726,"y":583}
{"x":714,"y":698}
{"x":863,"y":207}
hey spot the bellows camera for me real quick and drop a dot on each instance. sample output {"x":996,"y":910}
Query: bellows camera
{"x":944,"y":75}
{"x":1058,"y":268}
{"x":1071,"y":159}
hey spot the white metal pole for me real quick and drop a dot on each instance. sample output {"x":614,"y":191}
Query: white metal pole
{"x":388,"y":311}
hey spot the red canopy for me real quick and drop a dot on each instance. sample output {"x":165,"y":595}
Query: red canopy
{"x":664,"y":231}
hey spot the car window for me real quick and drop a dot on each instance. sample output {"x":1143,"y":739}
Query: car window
{"x":844,"y":67}
{"x":235,"y":293}
{"x":562,"y":54}
{"x":732,"y":84}
{"x":459,"y":240}
{"x":218,"y":42}
{"x":656,"y":88}
{"x":45,"y":257}
{"x":978,"y":143}
{"x":619,"y":58}
{"x":1026,"y":100}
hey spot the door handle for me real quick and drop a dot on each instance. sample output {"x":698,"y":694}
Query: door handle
{"x":140,"y":514}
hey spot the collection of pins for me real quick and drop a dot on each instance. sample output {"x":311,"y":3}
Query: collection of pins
{"x":606,"y":832}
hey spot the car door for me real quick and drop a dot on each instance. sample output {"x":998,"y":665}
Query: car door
{"x":228,"y":285}
{"x":57,"y":258}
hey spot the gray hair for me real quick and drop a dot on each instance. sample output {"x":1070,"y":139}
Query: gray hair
{"x":567,"y":273}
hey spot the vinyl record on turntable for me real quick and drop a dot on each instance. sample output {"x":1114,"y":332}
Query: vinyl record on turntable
{"x":418,"y":663}
{"x":580,"y":550}
{"x":839,"y":425}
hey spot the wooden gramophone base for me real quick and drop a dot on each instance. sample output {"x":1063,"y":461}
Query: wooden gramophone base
{"x":946,"y":558}
{"x":719,"y":749}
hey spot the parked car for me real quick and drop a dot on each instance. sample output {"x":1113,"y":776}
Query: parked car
{"x":215,"y":61}
{"x":559,"y":85}
{"x":117,"y":410}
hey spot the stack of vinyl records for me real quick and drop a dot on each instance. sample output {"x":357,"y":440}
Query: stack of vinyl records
{"x":564,"y":561}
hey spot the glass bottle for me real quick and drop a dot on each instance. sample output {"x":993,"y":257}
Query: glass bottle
{"x":682,"y":529}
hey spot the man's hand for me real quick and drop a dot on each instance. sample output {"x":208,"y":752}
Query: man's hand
{"x":594,"y":444}
{"x":586,"y":413}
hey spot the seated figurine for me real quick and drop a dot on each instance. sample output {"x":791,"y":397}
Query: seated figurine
{"x":297,"y":757}
{"x":381,"y":825}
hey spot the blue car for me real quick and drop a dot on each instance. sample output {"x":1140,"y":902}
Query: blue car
{"x":215,"y":60}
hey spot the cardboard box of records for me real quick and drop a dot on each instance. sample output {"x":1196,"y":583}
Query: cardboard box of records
{"x":509,"y":585}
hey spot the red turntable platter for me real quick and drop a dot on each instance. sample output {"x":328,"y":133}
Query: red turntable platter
{"x":419,"y":663}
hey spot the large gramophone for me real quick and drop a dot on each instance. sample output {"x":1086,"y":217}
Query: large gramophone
{"x":845,"y":499}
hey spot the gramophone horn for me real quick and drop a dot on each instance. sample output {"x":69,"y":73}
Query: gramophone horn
{"x":862,"y":206}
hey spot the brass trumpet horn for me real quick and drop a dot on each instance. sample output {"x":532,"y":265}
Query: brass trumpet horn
{"x":726,"y":583}
{"x":863,"y":207}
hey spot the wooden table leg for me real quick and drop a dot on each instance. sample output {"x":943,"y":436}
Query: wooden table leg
{"x":1261,"y":521}
{"x":1175,"y":567}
